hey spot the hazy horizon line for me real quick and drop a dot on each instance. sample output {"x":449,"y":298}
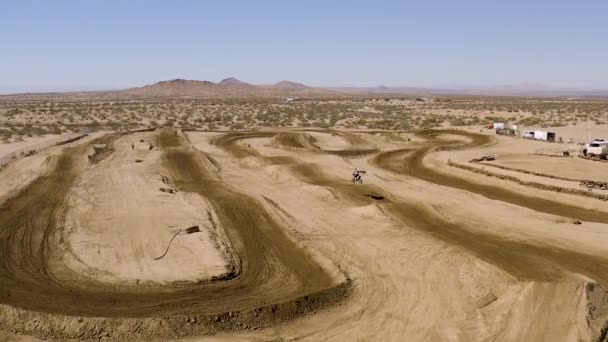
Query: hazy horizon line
{"x":521,"y":86}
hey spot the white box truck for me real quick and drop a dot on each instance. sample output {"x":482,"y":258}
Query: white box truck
{"x":544,"y":135}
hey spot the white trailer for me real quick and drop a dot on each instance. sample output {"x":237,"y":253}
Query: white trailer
{"x":498,"y":125}
{"x":540,"y":135}
{"x":544,"y":136}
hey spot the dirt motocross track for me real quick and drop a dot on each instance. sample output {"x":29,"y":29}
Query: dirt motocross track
{"x":274,"y":278}
{"x":270,"y":271}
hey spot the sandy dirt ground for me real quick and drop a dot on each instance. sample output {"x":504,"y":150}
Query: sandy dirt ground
{"x":421,"y":251}
{"x":580,"y":133}
{"x":24,"y":170}
{"x":6,"y":148}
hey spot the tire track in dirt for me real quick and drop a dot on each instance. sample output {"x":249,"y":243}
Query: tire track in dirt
{"x":276,"y":280}
{"x":294,"y":140}
{"x":309,"y":172}
{"x":410,"y":162}
{"x":28,"y":231}
{"x":523,"y":261}
{"x":272,"y":267}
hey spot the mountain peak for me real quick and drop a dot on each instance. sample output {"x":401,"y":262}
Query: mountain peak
{"x":290,"y":85}
{"x":180,"y":81}
{"x":233,"y":81}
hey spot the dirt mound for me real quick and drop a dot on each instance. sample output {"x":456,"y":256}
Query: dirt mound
{"x":50,"y":163}
{"x":368,"y":211}
{"x":229,"y":142}
{"x":61,"y":327}
{"x":293,"y":140}
{"x":167,"y":139}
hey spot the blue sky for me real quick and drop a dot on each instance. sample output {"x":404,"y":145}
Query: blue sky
{"x":69,"y":45}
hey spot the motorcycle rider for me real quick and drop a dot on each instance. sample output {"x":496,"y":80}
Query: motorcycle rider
{"x":356,"y":175}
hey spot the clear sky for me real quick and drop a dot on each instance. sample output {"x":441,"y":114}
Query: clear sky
{"x":70,"y":45}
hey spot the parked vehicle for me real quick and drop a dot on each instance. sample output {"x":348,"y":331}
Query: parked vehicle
{"x":544,"y":135}
{"x":505,"y":131}
{"x":496,"y":125}
{"x":540,"y":135}
{"x":596,"y":149}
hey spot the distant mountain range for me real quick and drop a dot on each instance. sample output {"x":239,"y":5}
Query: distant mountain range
{"x":232,"y":87}
{"x":229,"y":87}
{"x":522,"y":89}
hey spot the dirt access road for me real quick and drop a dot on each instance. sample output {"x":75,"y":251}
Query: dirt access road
{"x":305,"y":240}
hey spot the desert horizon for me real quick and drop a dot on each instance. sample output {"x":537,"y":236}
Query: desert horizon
{"x":533,"y":89}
